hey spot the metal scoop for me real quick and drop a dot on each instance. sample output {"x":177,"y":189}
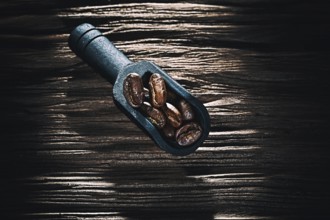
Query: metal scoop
{"x":95,"y":49}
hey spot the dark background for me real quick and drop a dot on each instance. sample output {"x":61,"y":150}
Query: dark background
{"x":260,"y":67}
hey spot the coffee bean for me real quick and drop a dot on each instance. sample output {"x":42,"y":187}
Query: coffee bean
{"x":155,"y":115}
{"x":188,"y":134}
{"x":146,"y":93}
{"x":158,"y":92}
{"x":133,"y":90}
{"x":173,"y":115}
{"x":186,"y":110}
{"x":161,"y":113}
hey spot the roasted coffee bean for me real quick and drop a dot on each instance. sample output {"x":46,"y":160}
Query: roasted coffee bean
{"x":155,"y":115}
{"x":133,"y":90}
{"x":173,"y":115}
{"x":186,"y":110}
{"x":158,"y":92}
{"x":146,"y":93}
{"x":188,"y":134}
{"x":169,"y":131}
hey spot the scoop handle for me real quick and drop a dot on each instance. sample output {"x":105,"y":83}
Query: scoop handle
{"x":95,"y":49}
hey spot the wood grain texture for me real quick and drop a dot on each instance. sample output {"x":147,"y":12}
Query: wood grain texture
{"x":260,"y":68}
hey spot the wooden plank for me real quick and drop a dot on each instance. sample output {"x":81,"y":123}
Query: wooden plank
{"x":258,"y":66}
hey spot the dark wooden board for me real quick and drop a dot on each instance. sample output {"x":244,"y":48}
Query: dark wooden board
{"x":260,"y":68}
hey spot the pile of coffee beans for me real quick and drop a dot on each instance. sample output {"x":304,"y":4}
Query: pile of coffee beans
{"x":170,"y":114}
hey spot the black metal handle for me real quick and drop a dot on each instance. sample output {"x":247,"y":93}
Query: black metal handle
{"x":95,"y":49}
